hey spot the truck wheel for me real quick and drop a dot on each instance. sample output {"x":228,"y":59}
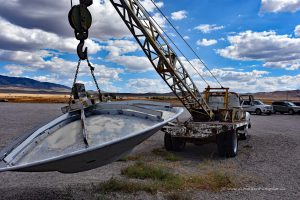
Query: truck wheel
{"x":291,"y":112}
{"x":231,"y":144}
{"x":221,"y":144}
{"x":249,"y":125}
{"x":168,"y":142}
{"x":178,"y":144}
{"x":227,"y":144}
{"x":258,"y":111}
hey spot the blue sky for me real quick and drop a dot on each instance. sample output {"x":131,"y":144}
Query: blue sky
{"x":250,"y":45}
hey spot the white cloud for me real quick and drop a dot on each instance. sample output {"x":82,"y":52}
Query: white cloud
{"x":35,"y":14}
{"x":275,"y":50}
{"x":206,"y":42}
{"x":277,"y":6}
{"x":179,"y":15}
{"x":117,"y":54}
{"x":159,"y":19}
{"x":231,"y":75}
{"x":60,"y":69}
{"x":119,"y":47}
{"x":288,"y":65}
{"x":149,"y":6}
{"x":13,"y":37}
{"x":265,"y":84}
{"x":133,"y":63}
{"x":15,"y":70}
{"x":186,"y":37}
{"x":297,"y":31}
{"x":145,"y":85}
{"x":208,"y":28}
{"x":47,"y":78}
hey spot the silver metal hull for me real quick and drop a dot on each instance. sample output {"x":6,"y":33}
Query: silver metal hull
{"x":86,"y":158}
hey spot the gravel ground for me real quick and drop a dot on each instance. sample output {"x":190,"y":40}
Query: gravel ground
{"x":268,"y":162}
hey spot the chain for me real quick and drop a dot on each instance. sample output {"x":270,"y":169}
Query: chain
{"x":80,"y":19}
{"x":92,"y":72}
{"x":75,"y":78}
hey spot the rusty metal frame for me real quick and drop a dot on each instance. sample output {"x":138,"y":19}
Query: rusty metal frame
{"x":218,"y":92}
{"x":162,"y":56}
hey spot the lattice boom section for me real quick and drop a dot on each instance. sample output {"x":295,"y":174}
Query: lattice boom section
{"x":161,"y":55}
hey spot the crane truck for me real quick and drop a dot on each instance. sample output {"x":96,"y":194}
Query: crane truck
{"x":216,"y":113}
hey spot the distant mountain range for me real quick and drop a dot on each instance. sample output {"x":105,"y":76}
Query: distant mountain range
{"x":20,"y":84}
{"x":283,"y":95}
{"x":27,"y":85}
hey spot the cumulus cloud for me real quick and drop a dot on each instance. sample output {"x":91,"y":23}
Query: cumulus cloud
{"x":149,"y":6}
{"x":118,"y":50}
{"x":13,"y":37}
{"x":297,"y":31}
{"x":51,"y":16}
{"x":179,"y":15}
{"x":232,"y":75}
{"x":206,"y":42}
{"x":56,"y":68}
{"x":278,"y":51}
{"x":160,"y":20}
{"x":276,"y":6}
{"x":144,"y":85}
{"x":208,"y":28}
{"x":271,"y":83}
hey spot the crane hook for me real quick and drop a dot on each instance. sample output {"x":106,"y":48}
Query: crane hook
{"x":82,"y":54}
{"x":80,"y":20}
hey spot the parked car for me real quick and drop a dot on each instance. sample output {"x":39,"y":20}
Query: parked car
{"x":285,"y":107}
{"x":257,"y":106}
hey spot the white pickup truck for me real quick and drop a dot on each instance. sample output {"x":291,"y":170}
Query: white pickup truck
{"x":257,"y":106}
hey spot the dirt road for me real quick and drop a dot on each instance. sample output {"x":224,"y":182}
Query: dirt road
{"x":267,"y":167}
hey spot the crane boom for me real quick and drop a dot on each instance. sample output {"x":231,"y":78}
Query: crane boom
{"x":163,"y":57}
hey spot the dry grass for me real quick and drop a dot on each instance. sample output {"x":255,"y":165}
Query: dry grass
{"x":166,"y":155}
{"x":158,"y":178}
{"x":129,"y":158}
{"x":35,"y":98}
{"x":61,"y":98}
{"x":117,"y":185}
{"x":141,"y":170}
{"x":213,"y":180}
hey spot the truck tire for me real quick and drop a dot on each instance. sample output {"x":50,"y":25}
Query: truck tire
{"x":227,"y":144}
{"x":231,"y":144}
{"x":178,"y":144}
{"x":291,"y":112}
{"x":221,"y":144}
{"x":258,"y":111}
{"x":168,"y":142}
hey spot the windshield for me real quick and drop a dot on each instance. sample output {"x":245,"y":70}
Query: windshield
{"x":258,"y":102}
{"x":290,"y":104}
